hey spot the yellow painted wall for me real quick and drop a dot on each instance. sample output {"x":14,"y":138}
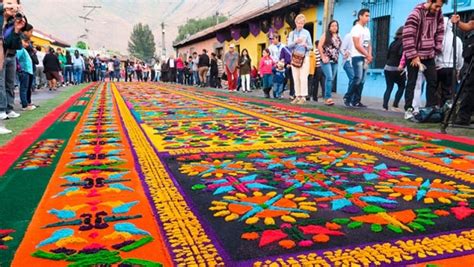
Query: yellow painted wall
{"x":40,"y":42}
{"x":252,"y":43}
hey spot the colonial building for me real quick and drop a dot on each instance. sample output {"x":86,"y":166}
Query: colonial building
{"x":252,"y":31}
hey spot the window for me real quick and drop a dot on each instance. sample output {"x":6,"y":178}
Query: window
{"x":261,"y":47}
{"x":380,"y":41}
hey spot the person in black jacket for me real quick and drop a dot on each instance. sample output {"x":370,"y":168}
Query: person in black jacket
{"x":52,"y":67}
{"x":394,"y":73}
{"x":214,"y":71}
{"x":11,"y":42}
{"x":203,"y":67}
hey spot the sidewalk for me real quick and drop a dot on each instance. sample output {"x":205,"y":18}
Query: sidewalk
{"x":374,"y":111}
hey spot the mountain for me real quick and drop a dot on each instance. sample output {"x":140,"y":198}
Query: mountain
{"x":112,"y":23}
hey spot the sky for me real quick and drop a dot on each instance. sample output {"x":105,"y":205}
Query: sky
{"x":111,"y":24}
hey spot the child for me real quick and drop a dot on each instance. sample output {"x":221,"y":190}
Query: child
{"x":265,"y":67}
{"x":25,"y":74}
{"x":278,"y":79}
{"x":254,"y":77}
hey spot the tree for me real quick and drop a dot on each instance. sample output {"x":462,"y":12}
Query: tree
{"x":81,"y":45}
{"x":142,"y":42}
{"x":193,"y":26}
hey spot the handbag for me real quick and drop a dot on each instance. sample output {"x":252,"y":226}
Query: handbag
{"x":297,"y":56}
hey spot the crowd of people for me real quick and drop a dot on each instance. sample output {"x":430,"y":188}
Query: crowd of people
{"x":419,"y":61}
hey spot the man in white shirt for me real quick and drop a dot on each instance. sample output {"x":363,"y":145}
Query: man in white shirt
{"x":361,"y":54}
{"x":275,"y":48}
{"x":346,"y":49}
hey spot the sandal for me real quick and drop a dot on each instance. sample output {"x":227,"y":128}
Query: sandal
{"x":329,"y":102}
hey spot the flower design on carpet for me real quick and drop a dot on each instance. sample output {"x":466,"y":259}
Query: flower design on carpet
{"x":381,"y":171}
{"x":290,"y":236}
{"x":5,"y":237}
{"x":252,"y":208}
{"x":426,"y":190}
{"x":340,"y":158}
{"x":40,"y":155}
{"x":243,"y":185}
{"x":217,"y":168}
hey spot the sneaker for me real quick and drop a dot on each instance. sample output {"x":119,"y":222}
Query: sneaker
{"x":294,"y":101}
{"x":360,"y":105}
{"x":4,"y":130}
{"x":3,"y":116}
{"x":395,"y":109}
{"x":292,"y":97}
{"x":347,"y":104}
{"x":12,"y":114}
{"x":31,"y":107}
{"x":329,"y":102}
{"x":409,"y":114}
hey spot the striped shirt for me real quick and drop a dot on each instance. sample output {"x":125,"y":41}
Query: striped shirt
{"x":318,"y":58}
{"x":423,"y":33}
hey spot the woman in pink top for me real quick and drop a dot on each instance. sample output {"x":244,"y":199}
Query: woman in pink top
{"x":180,"y":68}
{"x":265,"y":67}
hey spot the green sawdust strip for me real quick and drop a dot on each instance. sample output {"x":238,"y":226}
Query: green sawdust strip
{"x":22,"y":190}
{"x":143,"y":263}
{"x":27,"y":119}
{"x":137,"y":244}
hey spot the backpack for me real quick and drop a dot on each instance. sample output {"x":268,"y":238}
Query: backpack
{"x":429,"y":114}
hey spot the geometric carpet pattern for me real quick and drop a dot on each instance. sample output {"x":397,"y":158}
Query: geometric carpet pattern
{"x":160,"y":175}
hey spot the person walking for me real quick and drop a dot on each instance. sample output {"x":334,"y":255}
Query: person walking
{"x":245,"y":64}
{"x":394,"y":71}
{"x":266,"y":72}
{"x":78,"y":67}
{"x":203,"y":67}
{"x":329,"y":48}
{"x":52,"y":68}
{"x":346,"y":49}
{"x":299,"y":41}
{"x":423,"y":35}
{"x":25,"y":74}
{"x":361,"y":58}
{"x":231,"y":61}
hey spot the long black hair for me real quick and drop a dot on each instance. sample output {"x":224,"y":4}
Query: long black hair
{"x":328,"y":38}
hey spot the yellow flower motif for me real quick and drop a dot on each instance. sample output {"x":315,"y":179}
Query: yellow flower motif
{"x":267,"y":207}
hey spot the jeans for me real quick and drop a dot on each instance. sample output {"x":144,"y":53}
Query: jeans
{"x":330,"y":71}
{"x":180,"y":76}
{"x":7,"y":84}
{"x":289,"y":78}
{"x":431,"y":80}
{"x":77,"y":74}
{"x":117,"y":75}
{"x":157,"y":76}
{"x":196,"y":76}
{"x":350,"y":75}
{"x":277,"y":90}
{"x":232,"y":79}
{"x":354,"y":93}
{"x":245,"y":80}
{"x":445,"y":85}
{"x":24,"y":84}
{"x":392,"y":78}
{"x":68,"y":74}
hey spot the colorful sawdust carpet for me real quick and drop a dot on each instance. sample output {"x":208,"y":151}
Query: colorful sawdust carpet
{"x":151,"y":174}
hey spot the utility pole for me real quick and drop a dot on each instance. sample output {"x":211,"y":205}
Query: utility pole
{"x":86,"y":18}
{"x":163,"y":50}
{"x":217,"y":17}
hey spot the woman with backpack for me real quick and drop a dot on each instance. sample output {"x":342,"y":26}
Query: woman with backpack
{"x":299,"y":42}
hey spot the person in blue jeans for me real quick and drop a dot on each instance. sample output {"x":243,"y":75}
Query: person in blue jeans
{"x":25,"y":74}
{"x":346,"y":49}
{"x":78,"y":67}
{"x":329,"y":47}
{"x":361,"y":56}
{"x":279,"y":76}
